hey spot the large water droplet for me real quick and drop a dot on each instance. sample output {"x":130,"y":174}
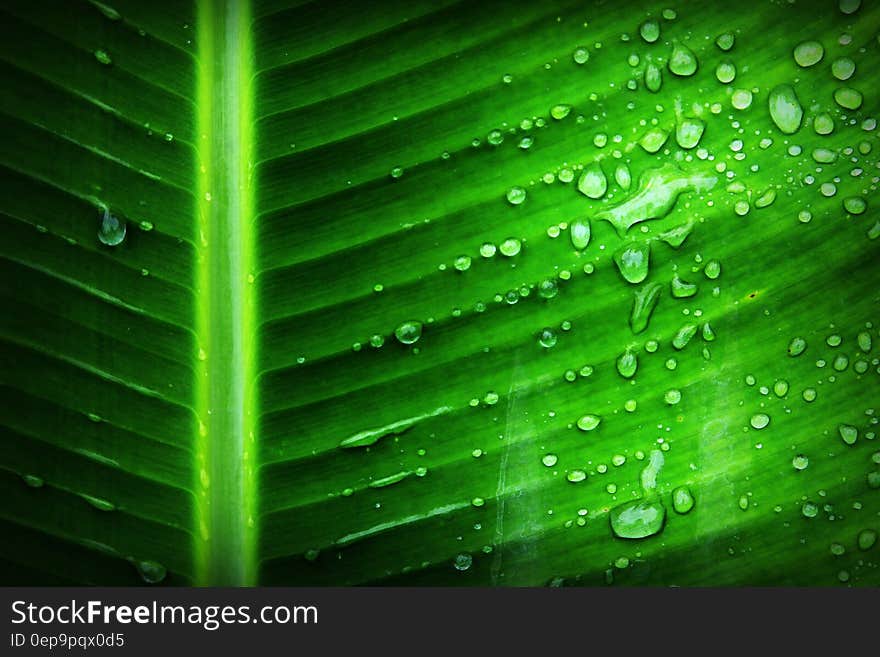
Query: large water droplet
{"x":653,"y":140}
{"x":843,"y":68}
{"x":682,"y":61}
{"x":866,"y":539}
{"x":797,"y":346}
{"x":408,"y":332}
{"x":516,"y":195}
{"x":588,"y":422}
{"x":462,"y":561}
{"x":112,"y":230}
{"x":650,"y":30}
{"x":646,"y":516}
{"x":689,"y":131}
{"x":785,"y":109}
{"x":656,"y":195}
{"x":644,"y":301}
{"x":592,"y":182}
{"x":848,"y":433}
{"x":759,"y":420}
{"x":848,"y":98}
{"x":622,"y":176}
{"x":632,"y":260}
{"x":808,"y":53}
{"x":547,"y":338}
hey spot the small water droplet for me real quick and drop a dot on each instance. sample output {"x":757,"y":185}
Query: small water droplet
{"x":547,"y":338}
{"x":103,"y":57}
{"x":627,"y":364}
{"x":510,"y":247}
{"x":797,"y":346}
{"x":588,"y":422}
{"x":848,"y":98}
{"x":152,"y":572}
{"x":650,"y":30}
{"x":682,"y":500}
{"x":848,"y":433}
{"x":408,"y":332}
{"x":800,"y":462}
{"x":549,"y":460}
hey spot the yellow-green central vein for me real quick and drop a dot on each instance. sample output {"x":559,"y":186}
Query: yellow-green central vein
{"x":225,"y":511}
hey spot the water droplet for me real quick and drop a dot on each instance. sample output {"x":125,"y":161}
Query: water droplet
{"x":809,"y":510}
{"x":462,"y":263}
{"x":873,"y":480}
{"x":646,"y":516}
{"x":797,"y":346}
{"x":33,"y":481}
{"x":510,"y":247}
{"x":588,"y":422}
{"x":785,"y":109}
{"x":650,"y":30}
{"x":824,"y":155}
{"x":487,"y":249}
{"x":653,"y":77}
{"x":622,"y":176}
{"x":855,"y":204}
{"x":808,"y":53}
{"x":559,"y":112}
{"x":780,"y":388}
{"x":725,"y":72}
{"x":548,"y":288}
{"x":581,"y":55}
{"x":866,"y":539}
{"x":576,"y":476}
{"x":152,"y":572}
{"x":759,"y":420}
{"x":809,"y":395}
{"x":823,"y":124}
{"x":408,"y":332}
{"x":108,"y":11}
{"x":495,"y":137}
{"x":837,"y":549}
{"x":644,"y":301}
{"x":656,"y":195}
{"x":682,"y":61}
{"x":653,"y":140}
{"x":682,"y":500}
{"x":848,"y":433}
{"x":632,"y":260}
{"x":516,"y":195}
{"x":526,"y":142}
{"x":689,"y":131}
{"x":849,"y":6}
{"x":627,"y":364}
{"x":743,"y":502}
{"x":848,"y":98}
{"x":463,"y":561}
{"x":98,"y":503}
{"x":547,"y":338}
{"x":580,"y":234}
{"x":712,"y":270}
{"x":682,"y":289}
{"x":549,"y":460}
{"x":672,"y":397}
{"x":708,"y":333}
{"x":683,"y":336}
{"x":766,"y":199}
{"x":864,"y":341}
{"x":741,"y":99}
{"x":592,"y":182}
{"x":843,"y":68}
{"x":800,"y":462}
{"x":725,"y":41}
{"x":396,"y":172}
{"x":103,"y":57}
{"x":112,"y":230}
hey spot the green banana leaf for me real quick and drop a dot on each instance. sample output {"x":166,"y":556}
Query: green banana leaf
{"x":439,"y":293}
